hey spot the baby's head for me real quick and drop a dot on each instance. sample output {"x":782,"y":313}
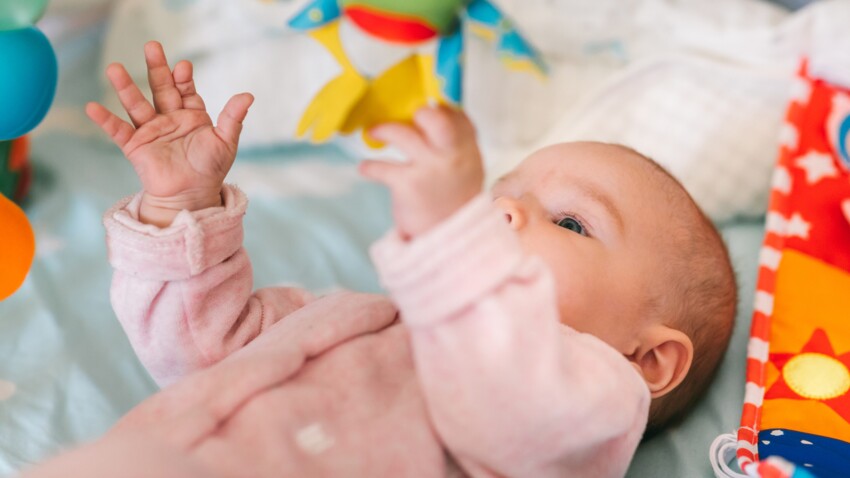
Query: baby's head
{"x":636,"y":263}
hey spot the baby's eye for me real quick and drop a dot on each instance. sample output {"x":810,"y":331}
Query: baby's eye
{"x":573,"y":224}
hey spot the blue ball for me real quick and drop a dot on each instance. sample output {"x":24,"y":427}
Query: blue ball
{"x":28,"y":73}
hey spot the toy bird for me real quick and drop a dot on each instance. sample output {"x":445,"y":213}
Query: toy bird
{"x":351,"y":101}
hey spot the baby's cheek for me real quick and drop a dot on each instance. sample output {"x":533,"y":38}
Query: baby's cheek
{"x":570,"y":300}
{"x":581,"y":294}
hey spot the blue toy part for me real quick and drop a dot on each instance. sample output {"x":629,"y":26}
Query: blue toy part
{"x":484,"y":12}
{"x":449,"y":67}
{"x":28,"y":73}
{"x":512,"y":48}
{"x":843,"y":133}
{"x":816,"y":455}
{"x":316,"y":14}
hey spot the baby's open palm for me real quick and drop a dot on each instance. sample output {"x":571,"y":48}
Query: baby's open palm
{"x":177,"y":152}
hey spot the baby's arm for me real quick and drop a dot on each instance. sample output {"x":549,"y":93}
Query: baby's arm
{"x":184,"y":293}
{"x":511,"y":391}
{"x":182,"y":283}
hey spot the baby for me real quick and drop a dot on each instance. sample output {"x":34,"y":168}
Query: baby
{"x":537,"y":330}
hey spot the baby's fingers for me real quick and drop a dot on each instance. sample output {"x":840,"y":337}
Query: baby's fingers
{"x":388,"y":173}
{"x":230,"y":120}
{"x":118,"y":130}
{"x":443,"y":126}
{"x":186,"y":86}
{"x":137,"y":106}
{"x":166,"y":97}
{"x":403,"y":137}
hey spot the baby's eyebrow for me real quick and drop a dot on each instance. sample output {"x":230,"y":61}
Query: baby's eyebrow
{"x":599,"y":197}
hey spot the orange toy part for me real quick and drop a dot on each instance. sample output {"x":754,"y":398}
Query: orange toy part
{"x":18,"y":161}
{"x":19,"y":153}
{"x":17,"y":249}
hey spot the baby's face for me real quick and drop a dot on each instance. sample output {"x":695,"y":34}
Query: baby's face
{"x":595,"y":213}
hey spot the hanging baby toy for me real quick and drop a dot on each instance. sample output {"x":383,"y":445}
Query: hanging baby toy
{"x":352,"y":101}
{"x":28,"y":74}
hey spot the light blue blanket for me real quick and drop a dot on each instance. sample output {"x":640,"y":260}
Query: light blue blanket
{"x":66,"y":368}
{"x":310,"y":221}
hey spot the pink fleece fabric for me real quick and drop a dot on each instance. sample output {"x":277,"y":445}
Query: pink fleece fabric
{"x":464,"y":370}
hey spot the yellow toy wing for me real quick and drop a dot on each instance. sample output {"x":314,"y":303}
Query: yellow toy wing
{"x":350,"y":102}
{"x":395,"y":95}
{"x":328,"y":111}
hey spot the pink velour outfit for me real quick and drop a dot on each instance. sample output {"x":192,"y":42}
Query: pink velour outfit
{"x":467,"y":370}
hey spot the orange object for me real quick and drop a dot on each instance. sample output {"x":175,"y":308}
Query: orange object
{"x":17,"y":242}
{"x":17,"y":247}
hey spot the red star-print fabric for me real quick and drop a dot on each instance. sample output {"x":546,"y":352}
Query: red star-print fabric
{"x":797,"y":402}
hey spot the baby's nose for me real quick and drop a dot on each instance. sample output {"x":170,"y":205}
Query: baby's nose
{"x":514,"y":212}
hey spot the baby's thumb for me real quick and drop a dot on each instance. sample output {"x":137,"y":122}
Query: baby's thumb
{"x":231,"y":117}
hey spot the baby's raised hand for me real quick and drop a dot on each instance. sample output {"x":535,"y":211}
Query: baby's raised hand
{"x":180,"y":157}
{"x":443,"y":170}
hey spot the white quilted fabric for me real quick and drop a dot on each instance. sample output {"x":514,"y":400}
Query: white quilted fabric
{"x":713,"y":126}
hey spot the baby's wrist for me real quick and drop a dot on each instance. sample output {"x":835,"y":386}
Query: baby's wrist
{"x":160,"y":211}
{"x":413,"y":223}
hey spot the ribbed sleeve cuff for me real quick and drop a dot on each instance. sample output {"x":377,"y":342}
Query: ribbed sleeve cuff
{"x":192,"y":243}
{"x":451,"y":266}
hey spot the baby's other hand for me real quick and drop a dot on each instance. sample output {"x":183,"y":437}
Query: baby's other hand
{"x":180,"y":157}
{"x":443,"y":170}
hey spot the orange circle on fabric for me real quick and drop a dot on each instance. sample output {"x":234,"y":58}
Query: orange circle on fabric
{"x":817,"y":376}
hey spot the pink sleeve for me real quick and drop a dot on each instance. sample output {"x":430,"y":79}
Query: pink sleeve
{"x":184,"y":293}
{"x":511,"y":390}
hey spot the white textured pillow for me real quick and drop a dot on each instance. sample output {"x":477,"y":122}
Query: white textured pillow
{"x":713,"y":126}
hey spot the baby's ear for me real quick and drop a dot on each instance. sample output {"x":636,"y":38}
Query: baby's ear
{"x":663,"y":357}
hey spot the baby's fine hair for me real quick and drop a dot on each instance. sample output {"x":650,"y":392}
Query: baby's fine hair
{"x":704,"y":300}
